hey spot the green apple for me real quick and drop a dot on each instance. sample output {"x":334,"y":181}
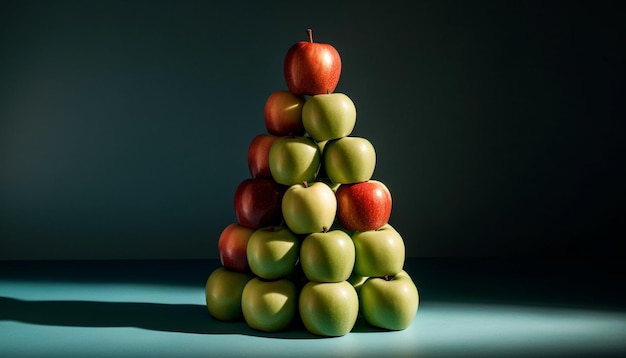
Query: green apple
{"x":327,"y":256}
{"x":328,"y":308}
{"x":357,"y":281}
{"x":349,"y":160}
{"x":391,"y":302}
{"x":329,"y":116}
{"x":272,"y":252}
{"x":337,"y":225}
{"x":329,"y":182}
{"x":322,"y":172}
{"x":223,"y":291}
{"x":269,"y":306}
{"x":321,"y":144}
{"x":309,"y":207}
{"x":294,"y":159}
{"x":378,"y":252}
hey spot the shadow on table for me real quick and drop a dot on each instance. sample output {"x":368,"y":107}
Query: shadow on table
{"x":183,"y":318}
{"x":593,"y":283}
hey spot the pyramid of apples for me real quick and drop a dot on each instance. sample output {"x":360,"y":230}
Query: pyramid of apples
{"x":312,"y":238}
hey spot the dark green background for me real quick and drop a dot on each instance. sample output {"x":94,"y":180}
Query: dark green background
{"x":124,"y":126}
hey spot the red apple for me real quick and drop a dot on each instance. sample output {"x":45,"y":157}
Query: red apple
{"x":258,"y":203}
{"x":232,"y":246}
{"x":283,"y":113}
{"x":259,"y":154}
{"x":363,"y":206}
{"x":311,"y":67}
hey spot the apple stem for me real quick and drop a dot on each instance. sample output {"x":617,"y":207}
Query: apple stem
{"x":324,"y":229}
{"x":305,"y":184}
{"x":310,"y":33}
{"x":386,"y":277}
{"x":328,"y":91}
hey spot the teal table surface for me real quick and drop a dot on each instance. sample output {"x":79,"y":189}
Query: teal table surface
{"x":468,"y":308}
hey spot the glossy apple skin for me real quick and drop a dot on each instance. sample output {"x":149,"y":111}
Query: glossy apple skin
{"x":259,"y":156}
{"x":273,"y":252}
{"x":294,"y":160}
{"x":329,"y":116}
{"x":223,"y":292}
{"x":310,"y":208}
{"x":328,"y":308}
{"x":357,"y":282}
{"x":312,"y":68}
{"x":327,"y":256}
{"x":379,"y":252}
{"x":363,"y":206}
{"x":232,"y":246}
{"x":389,"y":304}
{"x":283,"y":114}
{"x":269,"y":306}
{"x":349,"y":160}
{"x":258,"y":203}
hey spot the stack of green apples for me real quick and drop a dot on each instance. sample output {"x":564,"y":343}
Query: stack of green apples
{"x":312,"y":241}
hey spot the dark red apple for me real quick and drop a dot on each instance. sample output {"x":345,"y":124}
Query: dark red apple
{"x":258,"y":203}
{"x":363,"y":206}
{"x":311,"y":67}
{"x":283,"y":113}
{"x":259,"y":154}
{"x":232,"y":246}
